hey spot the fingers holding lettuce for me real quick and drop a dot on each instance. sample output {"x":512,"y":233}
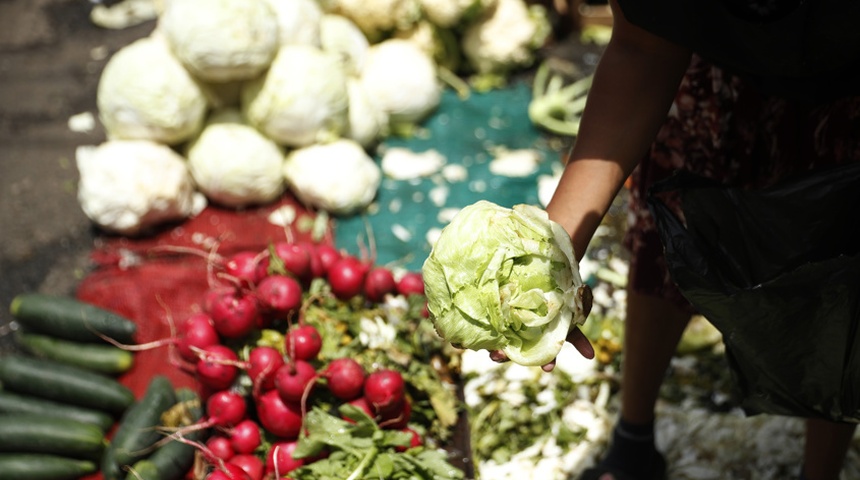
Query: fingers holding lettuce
{"x":507,"y":280}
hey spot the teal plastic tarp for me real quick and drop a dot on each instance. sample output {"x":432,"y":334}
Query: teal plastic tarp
{"x":466,"y":132}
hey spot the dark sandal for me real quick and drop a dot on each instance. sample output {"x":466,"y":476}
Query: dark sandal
{"x":594,"y":473}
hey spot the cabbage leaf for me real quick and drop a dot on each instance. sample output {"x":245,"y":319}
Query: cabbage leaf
{"x":504,"y":279}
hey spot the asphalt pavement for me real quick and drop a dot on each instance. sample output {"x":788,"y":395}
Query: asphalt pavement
{"x":51,"y":57}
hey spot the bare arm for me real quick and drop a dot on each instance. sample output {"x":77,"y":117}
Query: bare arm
{"x":634,"y":85}
{"x":633,"y":88}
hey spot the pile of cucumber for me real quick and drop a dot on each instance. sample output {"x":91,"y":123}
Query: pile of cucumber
{"x":63,"y":412}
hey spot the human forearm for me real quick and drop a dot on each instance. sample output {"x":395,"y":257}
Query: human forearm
{"x":633,"y":88}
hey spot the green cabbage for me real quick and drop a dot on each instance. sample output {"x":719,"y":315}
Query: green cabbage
{"x":504,"y":279}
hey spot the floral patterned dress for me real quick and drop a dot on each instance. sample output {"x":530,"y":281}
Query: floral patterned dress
{"x":723,"y":127}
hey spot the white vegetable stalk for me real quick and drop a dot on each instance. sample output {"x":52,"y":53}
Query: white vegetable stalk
{"x":233,"y":164}
{"x":130,"y":186}
{"x":400,"y":78}
{"x":221,"y":40}
{"x":144,"y":93}
{"x":557,"y":107}
{"x":337,"y":177}
{"x":301,"y":100}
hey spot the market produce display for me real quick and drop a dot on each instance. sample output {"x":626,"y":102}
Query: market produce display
{"x":306,"y":362}
{"x":234,"y":87}
{"x":300,"y":359}
{"x":154,"y":263}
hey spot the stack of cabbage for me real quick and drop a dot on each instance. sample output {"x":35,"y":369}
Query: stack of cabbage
{"x":235,"y":101}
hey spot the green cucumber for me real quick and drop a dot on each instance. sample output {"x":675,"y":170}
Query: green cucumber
{"x":69,"y":318}
{"x":137,"y":431}
{"x":11,"y":402}
{"x":106,"y":358}
{"x":174,"y":459}
{"x":145,"y":470}
{"x":57,"y":381}
{"x":37,"y":466}
{"x":110,"y":469}
{"x":31,"y":433}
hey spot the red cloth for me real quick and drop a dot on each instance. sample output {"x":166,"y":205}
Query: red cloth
{"x":155,"y":278}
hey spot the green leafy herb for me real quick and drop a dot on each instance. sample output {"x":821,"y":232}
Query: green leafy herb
{"x":361,"y":450}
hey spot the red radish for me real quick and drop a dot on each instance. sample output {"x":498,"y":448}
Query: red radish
{"x":385,"y":390}
{"x":242,"y":267}
{"x":279,"y":295}
{"x":220,"y":447}
{"x":263,"y":362}
{"x":234,"y":313}
{"x":197,"y":331}
{"x":292,"y":380}
{"x":411,"y":283}
{"x":278,"y":418}
{"x":397,"y":418}
{"x":217,"y":366}
{"x":328,"y":255}
{"x":296,"y":259}
{"x":213,"y":295}
{"x":345,"y":378}
{"x":223,"y":470}
{"x":228,"y":471}
{"x":414,"y":441}
{"x":317,"y":270}
{"x":303,"y":342}
{"x":225,"y":408}
{"x":280,"y":458}
{"x":346,"y":277}
{"x":378,"y":283}
{"x":245,"y":436}
{"x":251,"y":464}
{"x":361,"y":403}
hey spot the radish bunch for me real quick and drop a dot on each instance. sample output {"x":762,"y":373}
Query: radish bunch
{"x":276,"y":337}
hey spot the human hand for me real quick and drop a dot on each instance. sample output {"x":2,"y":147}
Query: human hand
{"x":575,"y":337}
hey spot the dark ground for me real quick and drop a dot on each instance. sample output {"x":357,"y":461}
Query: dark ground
{"x":51,"y":57}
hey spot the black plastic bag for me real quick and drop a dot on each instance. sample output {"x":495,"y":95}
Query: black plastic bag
{"x":777,"y":271}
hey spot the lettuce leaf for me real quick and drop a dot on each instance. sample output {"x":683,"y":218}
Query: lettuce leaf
{"x":504,"y":279}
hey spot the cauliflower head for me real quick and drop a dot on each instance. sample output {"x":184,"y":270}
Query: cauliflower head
{"x":367,"y":123}
{"x":298,"y":21}
{"x":401,"y":80}
{"x":130,"y":186}
{"x":341,"y":36}
{"x":144,"y":93}
{"x":505,"y":37}
{"x":377,"y":18}
{"x":338,"y":177}
{"x":221,"y":40}
{"x":233,"y":164}
{"x":453,"y":13}
{"x":302,"y":99}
